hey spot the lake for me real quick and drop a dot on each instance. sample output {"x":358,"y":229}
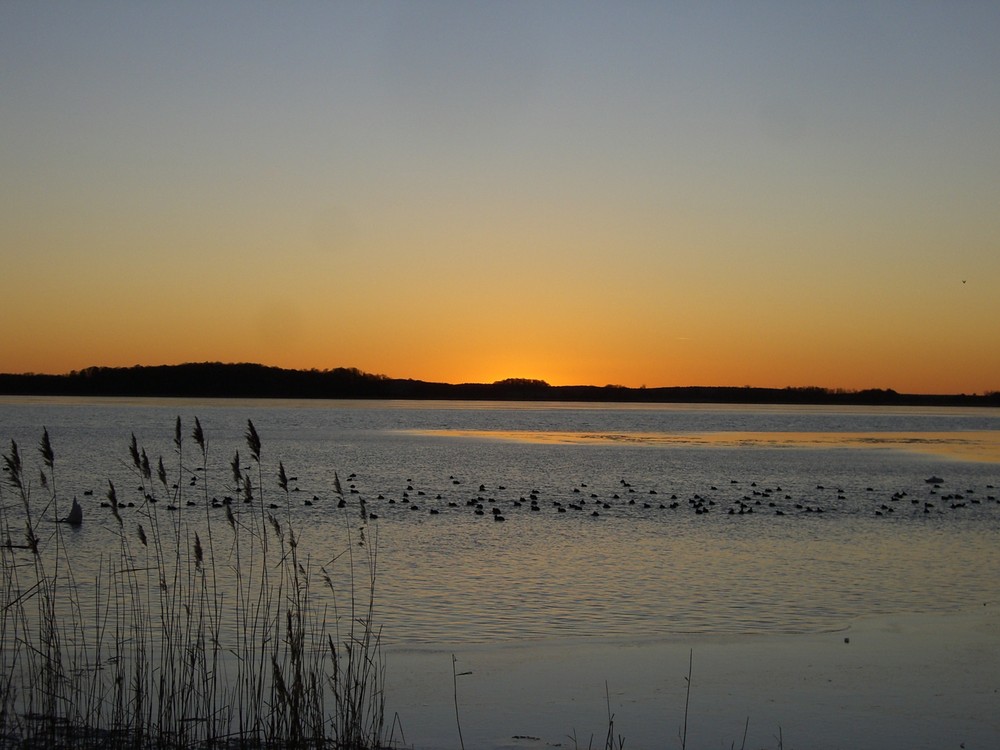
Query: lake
{"x":514,"y":534}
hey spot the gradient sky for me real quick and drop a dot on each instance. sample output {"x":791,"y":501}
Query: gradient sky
{"x":746,"y":193}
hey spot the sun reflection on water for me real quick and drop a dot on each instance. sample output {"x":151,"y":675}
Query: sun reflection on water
{"x":981,"y":445}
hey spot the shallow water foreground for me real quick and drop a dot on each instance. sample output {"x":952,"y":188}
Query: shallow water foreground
{"x":902,"y":681}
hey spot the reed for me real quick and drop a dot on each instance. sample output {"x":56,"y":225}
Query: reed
{"x":206,"y":630}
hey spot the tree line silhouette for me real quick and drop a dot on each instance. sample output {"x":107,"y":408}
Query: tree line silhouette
{"x":244,"y":380}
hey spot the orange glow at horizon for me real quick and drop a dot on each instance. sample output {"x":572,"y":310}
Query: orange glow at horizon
{"x":457,"y":337}
{"x":400,"y":339}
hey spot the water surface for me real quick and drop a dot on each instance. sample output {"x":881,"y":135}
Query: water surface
{"x":651,"y":520}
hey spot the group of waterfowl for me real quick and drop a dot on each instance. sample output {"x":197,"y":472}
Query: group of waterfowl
{"x":497,"y":502}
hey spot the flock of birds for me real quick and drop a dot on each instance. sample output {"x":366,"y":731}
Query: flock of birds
{"x":739,"y":499}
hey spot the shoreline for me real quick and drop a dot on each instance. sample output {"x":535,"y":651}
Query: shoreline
{"x":908,"y":680}
{"x":250,"y":380}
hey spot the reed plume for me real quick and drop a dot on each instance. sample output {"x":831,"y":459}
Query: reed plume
{"x":178,"y":653}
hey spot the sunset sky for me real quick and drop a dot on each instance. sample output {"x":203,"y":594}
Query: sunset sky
{"x":638,"y":193}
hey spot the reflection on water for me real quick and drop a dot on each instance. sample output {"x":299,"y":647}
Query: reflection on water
{"x":981,"y":445}
{"x":647,"y":581}
{"x":649,"y":521}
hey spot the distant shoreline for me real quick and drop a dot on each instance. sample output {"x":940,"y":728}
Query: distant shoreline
{"x":218,"y":380}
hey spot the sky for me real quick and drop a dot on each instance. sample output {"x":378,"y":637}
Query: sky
{"x":638,"y":193}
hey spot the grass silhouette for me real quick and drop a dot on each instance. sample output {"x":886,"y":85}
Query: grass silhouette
{"x":204,"y":633}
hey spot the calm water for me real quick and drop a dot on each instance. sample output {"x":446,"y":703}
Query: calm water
{"x":808,"y":517}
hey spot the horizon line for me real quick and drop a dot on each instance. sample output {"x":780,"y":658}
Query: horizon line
{"x":514,"y":380}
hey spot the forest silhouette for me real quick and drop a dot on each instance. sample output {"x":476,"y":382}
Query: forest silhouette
{"x":245,"y":380}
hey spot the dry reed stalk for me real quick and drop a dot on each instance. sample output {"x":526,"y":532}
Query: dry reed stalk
{"x":158,"y":627}
{"x":687,"y":700}
{"x":454,"y":680}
